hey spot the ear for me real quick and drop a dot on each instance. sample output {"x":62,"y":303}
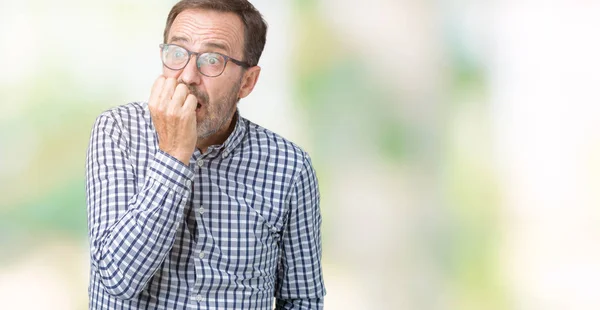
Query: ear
{"x":248,"y":81}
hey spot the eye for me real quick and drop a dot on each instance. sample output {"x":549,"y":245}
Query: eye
{"x":178,"y":54}
{"x":211,"y":59}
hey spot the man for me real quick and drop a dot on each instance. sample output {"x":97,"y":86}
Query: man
{"x":191,"y":206}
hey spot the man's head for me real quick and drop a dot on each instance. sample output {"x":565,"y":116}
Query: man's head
{"x":255,"y":28}
{"x":233,"y":28}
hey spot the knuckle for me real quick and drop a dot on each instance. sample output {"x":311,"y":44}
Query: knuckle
{"x":183,"y":90}
{"x":170,"y":114}
{"x":160,"y":98}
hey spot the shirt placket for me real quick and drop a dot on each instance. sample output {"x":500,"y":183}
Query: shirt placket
{"x":203,"y":245}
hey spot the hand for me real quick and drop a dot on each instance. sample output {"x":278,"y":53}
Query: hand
{"x":173,"y":111}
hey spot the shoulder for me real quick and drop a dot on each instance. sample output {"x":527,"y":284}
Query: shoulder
{"x":270,"y":143}
{"x":130,"y":112}
{"x":127,"y":117}
{"x":127,"y":126}
{"x":275,"y":149}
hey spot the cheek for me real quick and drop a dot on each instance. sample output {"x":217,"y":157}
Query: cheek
{"x":170,"y":73}
{"x":215,"y":89}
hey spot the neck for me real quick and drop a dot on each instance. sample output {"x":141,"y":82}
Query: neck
{"x":218,"y":137}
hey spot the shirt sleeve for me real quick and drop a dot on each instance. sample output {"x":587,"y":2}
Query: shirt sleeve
{"x":131,"y":228}
{"x":300,"y":279}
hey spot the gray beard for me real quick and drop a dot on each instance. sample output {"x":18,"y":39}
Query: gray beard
{"x":219,"y":112}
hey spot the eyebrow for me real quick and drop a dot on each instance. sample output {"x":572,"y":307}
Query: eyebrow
{"x":179,"y":39}
{"x":214,"y":45}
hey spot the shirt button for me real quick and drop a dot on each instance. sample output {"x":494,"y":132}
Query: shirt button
{"x":200,"y":163}
{"x":201,"y":210}
{"x":201,"y":255}
{"x":188,"y":183}
{"x":199,"y":298}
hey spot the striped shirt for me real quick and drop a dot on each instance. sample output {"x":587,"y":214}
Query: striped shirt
{"x":237,"y":228}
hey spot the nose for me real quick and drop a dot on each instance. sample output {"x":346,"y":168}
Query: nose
{"x":190,"y":74}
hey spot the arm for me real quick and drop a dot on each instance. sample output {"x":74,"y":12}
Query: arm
{"x":131,"y":230}
{"x":300,"y":279}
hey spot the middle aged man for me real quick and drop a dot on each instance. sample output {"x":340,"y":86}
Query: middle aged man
{"x":191,"y":206}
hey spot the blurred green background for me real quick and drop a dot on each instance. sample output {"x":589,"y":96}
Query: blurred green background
{"x":457,"y":143}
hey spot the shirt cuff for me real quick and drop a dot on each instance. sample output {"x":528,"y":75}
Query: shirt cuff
{"x":171,"y":172}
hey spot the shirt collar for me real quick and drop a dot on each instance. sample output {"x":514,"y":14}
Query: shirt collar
{"x":236,"y":136}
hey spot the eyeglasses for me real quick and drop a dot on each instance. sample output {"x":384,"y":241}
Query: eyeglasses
{"x":210,"y":64}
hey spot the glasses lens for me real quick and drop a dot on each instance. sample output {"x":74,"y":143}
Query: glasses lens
{"x":174,"y":57}
{"x":211,"y":64}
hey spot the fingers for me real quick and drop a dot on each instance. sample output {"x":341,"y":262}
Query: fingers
{"x":156,"y":90}
{"x":172,"y":110}
{"x":167,"y":91}
{"x":181,"y":92}
{"x":190,"y":103}
{"x":168,"y":95}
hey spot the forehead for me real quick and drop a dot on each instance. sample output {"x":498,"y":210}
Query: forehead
{"x":199,"y":28}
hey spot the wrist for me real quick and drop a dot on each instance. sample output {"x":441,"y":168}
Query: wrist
{"x":183,"y":157}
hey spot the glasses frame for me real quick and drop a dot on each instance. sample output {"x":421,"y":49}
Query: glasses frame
{"x":240,"y":63}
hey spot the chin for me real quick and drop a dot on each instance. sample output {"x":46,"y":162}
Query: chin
{"x":203,"y":133}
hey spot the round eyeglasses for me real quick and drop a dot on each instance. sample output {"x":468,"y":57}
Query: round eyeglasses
{"x":209,"y":64}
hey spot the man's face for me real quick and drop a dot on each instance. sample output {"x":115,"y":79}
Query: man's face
{"x":210,"y":31}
